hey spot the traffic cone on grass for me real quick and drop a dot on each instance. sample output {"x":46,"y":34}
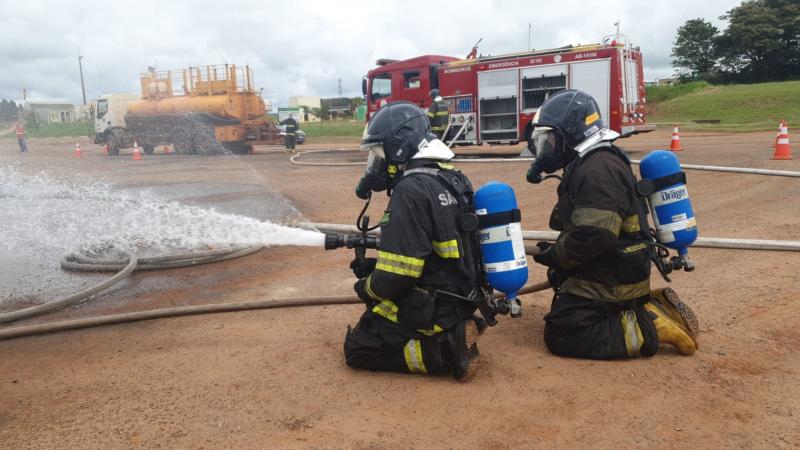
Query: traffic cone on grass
{"x":136,"y":155}
{"x":675,"y":144}
{"x":782,"y":148}
{"x":78,"y":152}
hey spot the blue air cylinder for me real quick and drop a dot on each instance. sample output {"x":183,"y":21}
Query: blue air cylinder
{"x":671,"y":208}
{"x":501,"y":240}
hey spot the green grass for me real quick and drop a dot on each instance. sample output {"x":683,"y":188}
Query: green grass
{"x":742,"y":107}
{"x":74,"y":129}
{"x":330,"y":129}
{"x":658,"y":94}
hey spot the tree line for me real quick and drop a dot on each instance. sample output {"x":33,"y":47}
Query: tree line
{"x":761,"y":43}
{"x":9,"y":111}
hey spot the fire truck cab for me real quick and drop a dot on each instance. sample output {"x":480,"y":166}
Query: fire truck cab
{"x":497,"y":96}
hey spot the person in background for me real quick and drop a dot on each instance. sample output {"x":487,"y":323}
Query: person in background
{"x":438,"y":114}
{"x":19,"y":129}
{"x":291,"y":132}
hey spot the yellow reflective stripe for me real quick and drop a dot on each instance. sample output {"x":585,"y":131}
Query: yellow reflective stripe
{"x":600,"y":291}
{"x":633,"y":334}
{"x":438,"y":128}
{"x":413,"y":353}
{"x":446,"y":166}
{"x":447,"y":249}
{"x":436,"y":329}
{"x":631,"y":224}
{"x":592,"y":117}
{"x":386,"y":309}
{"x":598,"y":218}
{"x":430,"y":114}
{"x":399,"y":264}
{"x":442,"y":113}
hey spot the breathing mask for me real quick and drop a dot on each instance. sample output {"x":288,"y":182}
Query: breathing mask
{"x":378,"y":174}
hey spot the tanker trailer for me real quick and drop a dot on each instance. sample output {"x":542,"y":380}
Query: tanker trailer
{"x":209,"y":110}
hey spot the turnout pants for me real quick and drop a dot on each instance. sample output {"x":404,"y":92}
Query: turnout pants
{"x":378,"y":344}
{"x":289,"y":141}
{"x":583,"y":328}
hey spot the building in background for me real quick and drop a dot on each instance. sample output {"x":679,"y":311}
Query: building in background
{"x":307,"y":105}
{"x":338,"y":107}
{"x":48,"y":112}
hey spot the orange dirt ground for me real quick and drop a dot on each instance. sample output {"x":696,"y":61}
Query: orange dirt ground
{"x":277,"y":379}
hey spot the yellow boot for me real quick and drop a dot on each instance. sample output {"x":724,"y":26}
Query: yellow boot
{"x":680,"y":312}
{"x":671,"y":332}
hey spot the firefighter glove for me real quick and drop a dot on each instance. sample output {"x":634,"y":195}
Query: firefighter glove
{"x":543,"y":246}
{"x":362,"y":268}
{"x":547,"y":257}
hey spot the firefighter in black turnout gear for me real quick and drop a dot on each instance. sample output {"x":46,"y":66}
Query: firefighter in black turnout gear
{"x":438,"y":114}
{"x":600,"y":264}
{"x":291,"y":133}
{"x":413,"y":323}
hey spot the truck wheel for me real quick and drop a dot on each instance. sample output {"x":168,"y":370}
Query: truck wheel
{"x":148,"y":149}
{"x":182,"y":141}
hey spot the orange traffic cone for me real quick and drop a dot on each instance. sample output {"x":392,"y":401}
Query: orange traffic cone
{"x":136,"y":155}
{"x":78,"y":152}
{"x":782,"y":148}
{"x":105,"y":149}
{"x":675,"y":144}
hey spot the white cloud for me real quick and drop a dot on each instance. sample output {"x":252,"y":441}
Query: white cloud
{"x":301,"y":47}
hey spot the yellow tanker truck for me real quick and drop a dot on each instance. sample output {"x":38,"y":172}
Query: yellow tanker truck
{"x":199,"y":110}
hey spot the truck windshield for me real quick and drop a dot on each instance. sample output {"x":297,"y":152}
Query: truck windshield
{"x":102,"y":108}
{"x":381,"y":86}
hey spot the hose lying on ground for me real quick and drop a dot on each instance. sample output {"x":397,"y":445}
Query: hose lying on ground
{"x":753,"y":171}
{"x":124,"y":267}
{"x":90,"y":322}
{"x":710,"y":242}
{"x":129,"y":264}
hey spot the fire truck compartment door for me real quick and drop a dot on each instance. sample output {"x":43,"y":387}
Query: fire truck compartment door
{"x":544,"y":71}
{"x":594,"y":78}
{"x":501,"y":83}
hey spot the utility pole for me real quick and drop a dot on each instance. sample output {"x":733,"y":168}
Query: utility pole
{"x":339,"y":89}
{"x":616,"y":24}
{"x":530,"y":28}
{"x":83,"y":89}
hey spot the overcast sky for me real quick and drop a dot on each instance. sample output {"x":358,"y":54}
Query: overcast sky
{"x":302,"y":47}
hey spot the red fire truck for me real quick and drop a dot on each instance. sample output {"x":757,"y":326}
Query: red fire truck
{"x":497,"y":96}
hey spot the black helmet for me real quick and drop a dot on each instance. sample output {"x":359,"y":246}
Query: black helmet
{"x":399,"y":127}
{"x":434,"y":93}
{"x":575,"y":113}
{"x":564,"y":121}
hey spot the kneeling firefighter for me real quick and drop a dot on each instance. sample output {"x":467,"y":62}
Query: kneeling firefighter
{"x":600,"y":264}
{"x":417,"y":319}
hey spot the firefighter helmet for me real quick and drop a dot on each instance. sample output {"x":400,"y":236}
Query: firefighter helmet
{"x":565,"y":121}
{"x":434,"y":93}
{"x":574,"y":113}
{"x":399,"y":128}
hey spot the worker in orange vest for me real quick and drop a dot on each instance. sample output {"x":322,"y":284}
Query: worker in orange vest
{"x":19,"y":129}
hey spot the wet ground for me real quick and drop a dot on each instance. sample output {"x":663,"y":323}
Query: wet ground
{"x":277,"y":379}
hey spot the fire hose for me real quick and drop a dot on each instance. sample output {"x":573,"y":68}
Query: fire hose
{"x":130,"y":263}
{"x":748,"y":170}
